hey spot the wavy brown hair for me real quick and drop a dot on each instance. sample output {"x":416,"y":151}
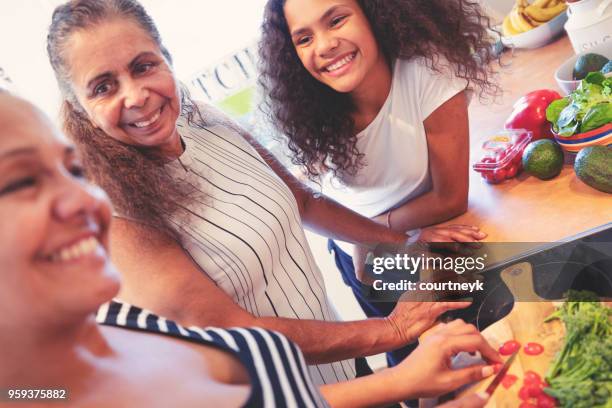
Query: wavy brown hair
{"x":317,"y":120}
{"x":136,"y":179}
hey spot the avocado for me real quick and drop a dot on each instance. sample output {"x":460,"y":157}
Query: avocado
{"x":588,"y":63}
{"x":607,"y":68}
{"x":593,"y":166}
{"x":543,"y":159}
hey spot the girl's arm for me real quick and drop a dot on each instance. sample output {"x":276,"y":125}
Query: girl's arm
{"x":447,"y":133}
{"x":319,"y":213}
{"x":426,"y":372}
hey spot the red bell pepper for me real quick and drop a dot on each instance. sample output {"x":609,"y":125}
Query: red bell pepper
{"x":530,"y":113}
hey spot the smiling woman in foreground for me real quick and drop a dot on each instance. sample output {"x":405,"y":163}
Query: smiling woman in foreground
{"x":56,"y":274}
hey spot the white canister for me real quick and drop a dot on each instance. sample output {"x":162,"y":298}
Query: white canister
{"x":589,"y":23}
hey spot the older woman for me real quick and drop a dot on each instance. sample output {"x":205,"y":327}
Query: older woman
{"x":197,"y":197}
{"x":56,"y":273}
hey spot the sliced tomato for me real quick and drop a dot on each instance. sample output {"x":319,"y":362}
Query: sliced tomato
{"x":533,"y":349}
{"x":530,"y":391}
{"x":509,"y":347}
{"x":531,"y":377}
{"x":508,"y":380}
{"x":546,"y":401}
{"x":526,"y":404}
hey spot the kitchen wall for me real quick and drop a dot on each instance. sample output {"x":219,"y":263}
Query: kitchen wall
{"x":497,"y":8}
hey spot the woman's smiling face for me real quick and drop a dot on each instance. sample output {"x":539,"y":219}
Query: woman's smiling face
{"x":124,"y":83}
{"x":334,"y":41}
{"x":54,"y":235}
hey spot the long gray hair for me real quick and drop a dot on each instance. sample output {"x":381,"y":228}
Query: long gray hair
{"x":135,"y":178}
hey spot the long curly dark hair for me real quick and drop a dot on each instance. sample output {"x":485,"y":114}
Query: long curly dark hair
{"x":317,"y":121}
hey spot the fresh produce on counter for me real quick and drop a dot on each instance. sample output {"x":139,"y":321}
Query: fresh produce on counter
{"x":588,"y":107}
{"x":593,"y":165}
{"x":581,"y":373}
{"x":543,"y":159}
{"x":526,"y":16}
{"x":503,"y":153}
{"x":588,"y":63}
{"x":530,"y":112}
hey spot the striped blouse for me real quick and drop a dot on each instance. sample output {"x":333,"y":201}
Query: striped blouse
{"x":275,"y":366}
{"x":247,"y":234}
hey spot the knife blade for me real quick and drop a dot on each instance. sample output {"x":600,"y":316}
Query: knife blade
{"x":500,"y":375}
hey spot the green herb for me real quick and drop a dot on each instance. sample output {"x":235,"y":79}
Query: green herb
{"x":587,"y":108}
{"x":581,"y":373}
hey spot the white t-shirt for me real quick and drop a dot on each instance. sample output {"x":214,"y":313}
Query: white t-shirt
{"x":394,"y":144}
{"x":247,"y":234}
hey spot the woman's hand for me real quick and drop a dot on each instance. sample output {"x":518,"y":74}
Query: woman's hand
{"x":427,"y":371}
{"x":461,"y":239}
{"x":360,"y":254}
{"x":476,"y":400}
{"x":411,"y":319}
{"x":453,"y":232}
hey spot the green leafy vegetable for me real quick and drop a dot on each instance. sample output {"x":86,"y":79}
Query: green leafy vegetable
{"x":554,"y":109}
{"x":587,"y":108}
{"x":595,"y":78}
{"x":581,"y":373}
{"x":597,"y":116}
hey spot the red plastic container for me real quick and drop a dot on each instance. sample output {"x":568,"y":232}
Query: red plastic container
{"x":503,"y":153}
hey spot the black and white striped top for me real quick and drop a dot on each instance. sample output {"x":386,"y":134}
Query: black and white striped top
{"x":276,"y":367}
{"x":247,"y":234}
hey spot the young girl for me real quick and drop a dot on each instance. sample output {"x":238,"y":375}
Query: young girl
{"x":372,"y":96}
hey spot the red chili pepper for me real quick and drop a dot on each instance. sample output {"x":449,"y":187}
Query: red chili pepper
{"x":530,"y":113}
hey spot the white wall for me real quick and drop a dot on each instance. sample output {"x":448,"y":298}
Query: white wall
{"x":197,"y":33}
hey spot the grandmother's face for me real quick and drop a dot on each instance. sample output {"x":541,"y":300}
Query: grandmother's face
{"x":124,"y":83}
{"x":54,"y":235}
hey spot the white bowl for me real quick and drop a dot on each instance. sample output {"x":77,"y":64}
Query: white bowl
{"x":565,"y":73}
{"x":539,"y":36}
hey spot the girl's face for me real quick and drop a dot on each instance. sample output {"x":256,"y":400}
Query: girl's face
{"x":54,"y":235}
{"x":126,"y":86}
{"x":334,"y":41}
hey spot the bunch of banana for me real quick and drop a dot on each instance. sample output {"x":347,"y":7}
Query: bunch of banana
{"x":525,"y":16}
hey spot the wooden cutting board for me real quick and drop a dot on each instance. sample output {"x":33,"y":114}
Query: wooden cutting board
{"x":525,"y":323}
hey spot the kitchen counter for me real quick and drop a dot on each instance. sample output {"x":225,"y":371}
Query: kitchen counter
{"x":526,"y":209}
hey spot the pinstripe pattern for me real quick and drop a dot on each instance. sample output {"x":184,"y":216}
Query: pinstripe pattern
{"x":247,"y":233}
{"x":275,"y":367}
